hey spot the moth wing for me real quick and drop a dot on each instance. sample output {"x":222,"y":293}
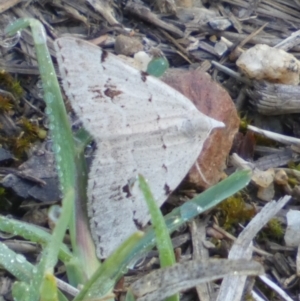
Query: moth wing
{"x":140,"y":125}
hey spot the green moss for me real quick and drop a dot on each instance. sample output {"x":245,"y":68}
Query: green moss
{"x":293,"y":165}
{"x":273,"y":229}
{"x":293,"y":181}
{"x":244,"y":122}
{"x":8,"y":83}
{"x":30,"y":133}
{"x":19,"y":144}
{"x":29,"y":127}
{"x":2,"y":191}
{"x":234,"y":211}
{"x":5,"y":104}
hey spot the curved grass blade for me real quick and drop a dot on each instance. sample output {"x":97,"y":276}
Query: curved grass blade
{"x":16,"y":264}
{"x":162,"y":236}
{"x":64,"y":149}
{"x":32,"y":233}
{"x":104,"y":278}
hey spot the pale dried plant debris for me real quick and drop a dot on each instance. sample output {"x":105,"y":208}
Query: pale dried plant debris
{"x":162,"y":283}
{"x":274,"y":136}
{"x":269,"y":162}
{"x":232,"y":73}
{"x":166,"y":6}
{"x":298,"y":262}
{"x":232,"y":286}
{"x":274,"y":99}
{"x":198,"y":235}
{"x":104,"y":7}
{"x":276,"y":288}
{"x":289,"y":42}
{"x":280,"y":158}
{"x":145,"y":14}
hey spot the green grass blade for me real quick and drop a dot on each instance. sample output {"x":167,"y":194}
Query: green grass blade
{"x":162,"y":236}
{"x":64,"y":146}
{"x":81,"y":238}
{"x":64,"y":149}
{"x":50,"y":253}
{"x":49,"y":289}
{"x":19,"y":290}
{"x":103,"y":281}
{"x":68,"y":162}
{"x":23,"y":270}
{"x":206,"y":200}
{"x":32,"y":233}
{"x":16,"y":264}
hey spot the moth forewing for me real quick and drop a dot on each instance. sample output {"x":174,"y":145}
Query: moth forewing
{"x":140,"y":126}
